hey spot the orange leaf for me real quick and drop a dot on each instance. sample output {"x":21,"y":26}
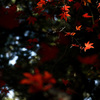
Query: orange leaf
{"x":78,"y":27}
{"x":85,"y":2}
{"x":88,"y":46}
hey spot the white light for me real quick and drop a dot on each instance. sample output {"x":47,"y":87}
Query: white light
{"x":23,"y":49}
{"x":16,"y":42}
{"x":38,"y":45}
{"x":88,"y":98}
{"x":17,"y":37}
{"x":11,"y":94}
{"x":7,"y":7}
{"x":16,"y":98}
{"x":33,"y":53}
{"x":97,"y":82}
{"x":13,"y":61}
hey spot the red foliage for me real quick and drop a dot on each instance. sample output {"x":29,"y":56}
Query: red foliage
{"x":8,"y":17}
{"x":77,"y":5}
{"x":88,"y":59}
{"x":65,"y":82}
{"x":48,"y":52}
{"x":5,"y":91}
{"x":86,"y":15}
{"x":31,"y":20}
{"x":38,"y":82}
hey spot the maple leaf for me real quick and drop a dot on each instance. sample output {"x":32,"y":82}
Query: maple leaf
{"x":64,"y":15}
{"x":65,"y":8}
{"x":85,"y":1}
{"x":69,"y":33}
{"x":77,"y":5}
{"x":75,"y":45}
{"x":78,"y":27}
{"x":86,"y":15}
{"x":35,"y":40}
{"x":98,"y":5}
{"x":43,"y":2}
{"x":37,"y":81}
{"x":47,"y":78}
{"x":88,"y":45}
{"x":89,"y":29}
{"x":31,"y":20}
{"x":5,"y":91}
{"x":48,"y":16}
{"x":65,"y":82}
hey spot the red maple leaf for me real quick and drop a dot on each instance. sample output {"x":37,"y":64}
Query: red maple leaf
{"x":89,"y":29}
{"x":31,"y":20}
{"x":38,"y":82}
{"x":65,"y":82}
{"x":86,"y":15}
{"x":5,"y":91}
{"x":43,"y":2}
{"x":35,"y":40}
{"x":77,"y":5}
{"x":64,"y":15}
{"x":65,"y":8}
{"x":98,"y":5}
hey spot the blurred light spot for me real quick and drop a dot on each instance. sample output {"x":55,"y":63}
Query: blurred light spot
{"x":38,"y":45}
{"x":7,"y":55}
{"x":23,"y":49}
{"x":16,"y":42}
{"x":7,"y":7}
{"x":25,"y":54}
{"x":1,"y":56}
{"x":17,"y":37}
{"x":55,"y":18}
{"x":29,"y":57}
{"x":16,"y":98}
{"x":11,"y":94}
{"x":26,"y":33}
{"x":13,"y":61}
{"x":88,"y":98}
{"x":97,"y":82}
{"x":33,"y":53}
